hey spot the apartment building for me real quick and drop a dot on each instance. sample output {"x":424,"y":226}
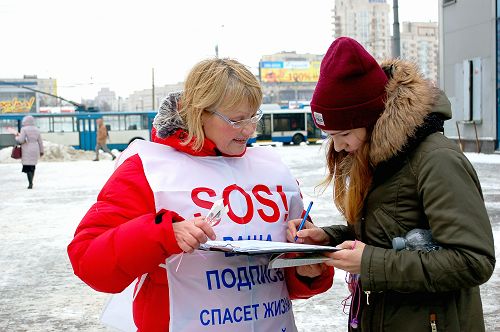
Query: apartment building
{"x":367,"y":21}
{"x":419,"y":43}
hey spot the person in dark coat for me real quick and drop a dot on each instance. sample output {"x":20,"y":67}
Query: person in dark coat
{"x":31,"y":147}
{"x":393,"y":170}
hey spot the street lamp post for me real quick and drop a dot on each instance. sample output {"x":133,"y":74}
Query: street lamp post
{"x":218,"y":41}
{"x":396,"y":39}
{"x":153,"y":88}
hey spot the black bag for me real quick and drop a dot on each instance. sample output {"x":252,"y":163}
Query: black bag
{"x":16,"y":152}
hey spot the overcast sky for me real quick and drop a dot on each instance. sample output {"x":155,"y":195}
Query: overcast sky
{"x":89,"y":44}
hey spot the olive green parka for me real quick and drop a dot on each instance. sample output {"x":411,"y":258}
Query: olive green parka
{"x":419,"y":183}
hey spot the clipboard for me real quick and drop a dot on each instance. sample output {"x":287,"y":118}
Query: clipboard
{"x":281,"y":261}
{"x":257,"y":247}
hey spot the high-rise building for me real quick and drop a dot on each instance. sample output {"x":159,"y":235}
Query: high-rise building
{"x":367,"y":21}
{"x":106,"y":100}
{"x":419,"y":43}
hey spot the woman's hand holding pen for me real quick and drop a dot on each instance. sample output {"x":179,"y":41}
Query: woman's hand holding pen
{"x":348,"y":260}
{"x":191,"y":233}
{"x":310,"y":233}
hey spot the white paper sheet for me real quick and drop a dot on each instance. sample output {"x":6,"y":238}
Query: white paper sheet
{"x":256,"y":247}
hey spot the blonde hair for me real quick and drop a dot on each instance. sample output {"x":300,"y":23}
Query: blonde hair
{"x":212,"y":84}
{"x":352,"y":176}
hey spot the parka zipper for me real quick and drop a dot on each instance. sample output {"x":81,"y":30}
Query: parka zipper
{"x":433,"y":323}
{"x":363,"y":220}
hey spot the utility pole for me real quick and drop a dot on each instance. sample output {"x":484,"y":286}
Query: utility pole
{"x":153,"y":88}
{"x":219,"y":37}
{"x":396,"y":39}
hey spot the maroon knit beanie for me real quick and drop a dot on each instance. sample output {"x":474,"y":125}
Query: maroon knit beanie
{"x":351,"y":88}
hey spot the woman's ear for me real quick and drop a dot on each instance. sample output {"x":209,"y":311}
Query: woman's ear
{"x":202,"y":119}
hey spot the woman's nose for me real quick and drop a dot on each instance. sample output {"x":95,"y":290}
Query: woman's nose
{"x":248,"y":129}
{"x":338,"y":144}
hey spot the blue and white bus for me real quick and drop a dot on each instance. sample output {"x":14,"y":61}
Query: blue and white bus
{"x":79,"y":129}
{"x":287,"y":126}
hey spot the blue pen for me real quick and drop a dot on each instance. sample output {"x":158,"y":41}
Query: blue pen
{"x":303,"y":220}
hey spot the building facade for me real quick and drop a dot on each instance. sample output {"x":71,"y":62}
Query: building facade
{"x":367,"y":21}
{"x":143,"y":100}
{"x":419,"y":43}
{"x":106,"y":100}
{"x":27,"y":94}
{"x":469,"y":71}
{"x":288,"y":78}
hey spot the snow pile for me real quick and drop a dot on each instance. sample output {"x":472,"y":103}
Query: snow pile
{"x":57,"y":152}
{"x":481,"y":158}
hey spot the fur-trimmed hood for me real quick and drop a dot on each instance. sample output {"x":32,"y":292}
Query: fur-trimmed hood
{"x":168,"y":120}
{"x":410,"y":98}
{"x":169,"y":129}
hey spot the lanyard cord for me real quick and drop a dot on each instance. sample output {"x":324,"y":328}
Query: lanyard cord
{"x":354,"y":318}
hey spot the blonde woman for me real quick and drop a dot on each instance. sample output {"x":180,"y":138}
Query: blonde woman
{"x":152,"y":210}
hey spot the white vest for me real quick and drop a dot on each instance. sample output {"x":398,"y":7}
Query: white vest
{"x":210,"y":291}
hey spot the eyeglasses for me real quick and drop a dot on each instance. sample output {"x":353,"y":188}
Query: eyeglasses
{"x":242,"y":123}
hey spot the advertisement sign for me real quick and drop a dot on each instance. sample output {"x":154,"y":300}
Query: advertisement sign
{"x":289,"y":71}
{"x":13,"y":102}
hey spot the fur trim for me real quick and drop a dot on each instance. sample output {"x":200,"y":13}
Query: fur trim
{"x":410,"y":98}
{"x":168,"y":120}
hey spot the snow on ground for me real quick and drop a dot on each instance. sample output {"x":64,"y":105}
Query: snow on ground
{"x":57,"y":152}
{"x":39,"y":292}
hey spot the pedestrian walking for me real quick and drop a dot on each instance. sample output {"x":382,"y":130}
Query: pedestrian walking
{"x":102,"y":137}
{"x":149,"y":217}
{"x":31,"y":146}
{"x":394,"y":171}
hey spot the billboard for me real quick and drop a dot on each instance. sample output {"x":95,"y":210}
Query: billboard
{"x":289,"y":71}
{"x":17,"y":102}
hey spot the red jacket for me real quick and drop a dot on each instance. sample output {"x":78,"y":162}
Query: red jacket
{"x":118,"y":240}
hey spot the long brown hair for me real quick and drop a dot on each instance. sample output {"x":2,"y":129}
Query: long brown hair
{"x":352,"y":176}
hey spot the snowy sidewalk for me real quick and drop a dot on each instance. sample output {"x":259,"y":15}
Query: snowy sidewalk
{"x":38,"y":291}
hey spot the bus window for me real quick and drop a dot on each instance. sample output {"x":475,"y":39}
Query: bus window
{"x":264,"y":127}
{"x":43,"y":123}
{"x":313,"y":132}
{"x":64,"y":124}
{"x":112,"y":122}
{"x":289,"y":122}
{"x":145,"y":121}
{"x":133,"y":122}
{"x":7,"y":126}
